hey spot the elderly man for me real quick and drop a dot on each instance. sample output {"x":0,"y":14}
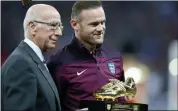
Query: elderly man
{"x":26,"y":82}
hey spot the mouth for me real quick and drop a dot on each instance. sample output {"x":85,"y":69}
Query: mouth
{"x":54,"y":40}
{"x":98,"y":35}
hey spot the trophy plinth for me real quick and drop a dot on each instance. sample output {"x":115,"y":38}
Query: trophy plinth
{"x":93,"y":105}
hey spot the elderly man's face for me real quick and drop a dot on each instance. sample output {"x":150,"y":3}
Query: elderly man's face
{"x":48,"y":29}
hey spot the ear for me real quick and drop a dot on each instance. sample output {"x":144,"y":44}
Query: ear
{"x":74,"y":23}
{"x":32,"y":28}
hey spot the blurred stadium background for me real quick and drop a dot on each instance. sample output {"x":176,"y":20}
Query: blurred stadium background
{"x":145,"y":32}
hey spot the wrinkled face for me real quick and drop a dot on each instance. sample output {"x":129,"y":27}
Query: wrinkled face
{"x":47,"y":30}
{"x":91,"y":27}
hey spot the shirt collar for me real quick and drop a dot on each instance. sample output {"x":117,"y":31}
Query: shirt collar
{"x":35,"y":48}
{"x":79,"y":46}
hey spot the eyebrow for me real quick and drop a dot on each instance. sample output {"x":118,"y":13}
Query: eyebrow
{"x":56,"y":22}
{"x":97,"y":22}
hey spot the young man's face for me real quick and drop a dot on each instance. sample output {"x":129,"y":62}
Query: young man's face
{"x":91,"y":27}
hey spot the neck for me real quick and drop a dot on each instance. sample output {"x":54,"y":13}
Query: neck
{"x":38,"y":44}
{"x":89,"y":47}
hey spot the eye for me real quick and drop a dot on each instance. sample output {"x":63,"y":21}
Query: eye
{"x":53,"y":24}
{"x":95,"y":24}
{"x":103,"y":22}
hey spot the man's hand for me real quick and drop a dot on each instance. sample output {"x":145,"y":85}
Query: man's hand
{"x":128,"y":98}
{"x":119,"y":84}
{"x":131,"y":86}
{"x":128,"y":85}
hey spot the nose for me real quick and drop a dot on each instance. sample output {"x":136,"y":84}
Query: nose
{"x":58,"y":32}
{"x":100,"y":27}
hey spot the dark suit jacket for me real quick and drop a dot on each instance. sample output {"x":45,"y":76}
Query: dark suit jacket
{"x":26,"y":83}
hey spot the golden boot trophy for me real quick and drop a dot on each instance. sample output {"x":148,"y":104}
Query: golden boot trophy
{"x":115,"y":89}
{"x":107,"y":94}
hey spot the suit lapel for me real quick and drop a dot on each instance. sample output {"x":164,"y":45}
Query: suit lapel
{"x":42,"y":68}
{"x":49,"y":79}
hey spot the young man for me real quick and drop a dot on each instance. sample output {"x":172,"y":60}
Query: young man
{"x":84,"y":65}
{"x":26,"y":82}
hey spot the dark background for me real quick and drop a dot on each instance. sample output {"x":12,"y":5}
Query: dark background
{"x":142,"y":30}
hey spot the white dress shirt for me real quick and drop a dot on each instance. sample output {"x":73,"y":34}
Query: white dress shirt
{"x":36,"y":49}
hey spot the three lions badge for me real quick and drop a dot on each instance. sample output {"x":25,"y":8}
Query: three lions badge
{"x":111,"y":67}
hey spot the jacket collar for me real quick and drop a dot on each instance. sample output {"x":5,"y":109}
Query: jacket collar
{"x":27,"y":48}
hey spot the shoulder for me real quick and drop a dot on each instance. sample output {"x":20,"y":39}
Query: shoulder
{"x":55,"y":60}
{"x":56,"y":57}
{"x":16,"y":64}
{"x":18,"y":59}
{"x":61,"y":55}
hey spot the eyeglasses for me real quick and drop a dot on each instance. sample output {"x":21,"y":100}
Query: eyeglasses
{"x":53,"y":26}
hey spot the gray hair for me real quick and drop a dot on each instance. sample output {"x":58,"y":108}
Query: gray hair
{"x":30,"y":16}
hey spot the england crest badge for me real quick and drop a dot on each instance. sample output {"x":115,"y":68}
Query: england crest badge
{"x":108,"y":107}
{"x":111,"y":67}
